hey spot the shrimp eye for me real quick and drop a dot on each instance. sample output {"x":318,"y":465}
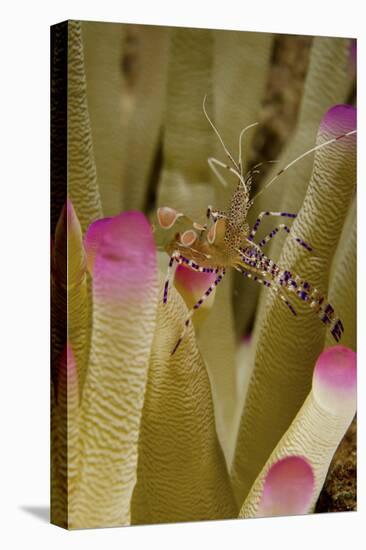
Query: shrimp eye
{"x":188,"y":237}
{"x":167,"y":216}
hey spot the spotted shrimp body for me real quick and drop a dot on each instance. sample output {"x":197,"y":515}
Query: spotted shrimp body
{"x":226,"y":241}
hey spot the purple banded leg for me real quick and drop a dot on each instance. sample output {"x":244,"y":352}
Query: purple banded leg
{"x":325,"y":312}
{"x":170,"y":274}
{"x":196,"y":267}
{"x":196,"y":306}
{"x":274,"y":232}
{"x":303,"y":243}
{"x":337,"y":330}
{"x":267,"y":213}
{"x":326,"y":315}
{"x":250,"y":259}
{"x":271,"y":286}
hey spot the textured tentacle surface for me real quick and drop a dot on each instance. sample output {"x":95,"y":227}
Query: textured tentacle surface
{"x":314,"y":434}
{"x":287,"y":346}
{"x":187,"y":135}
{"x":144,"y":114}
{"x":82,"y":177}
{"x":65,"y":446}
{"x":124,"y":307}
{"x":69,"y":292}
{"x":125,"y":120}
{"x":78,"y":306}
{"x":327,"y":83}
{"x":182,"y":474}
{"x":186,"y":184}
{"x":237,"y":105}
{"x":104,"y":82}
{"x":141,"y":435}
{"x":342,"y":284}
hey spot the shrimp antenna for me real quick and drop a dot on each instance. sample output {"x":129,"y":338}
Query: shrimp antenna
{"x":218,"y":135}
{"x":312,"y":150}
{"x":240,"y":167}
{"x":254,"y":169}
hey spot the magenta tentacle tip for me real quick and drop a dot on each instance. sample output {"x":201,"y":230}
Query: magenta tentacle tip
{"x":92,"y":240}
{"x":339,"y":120}
{"x":124,"y":236}
{"x":288,"y":488}
{"x":121,"y":256}
{"x":335,"y":379}
{"x":194,"y":282}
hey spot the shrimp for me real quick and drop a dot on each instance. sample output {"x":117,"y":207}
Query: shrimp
{"x":226,"y":241}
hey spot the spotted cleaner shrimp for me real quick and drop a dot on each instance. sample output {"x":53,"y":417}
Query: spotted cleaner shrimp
{"x":227,"y":241}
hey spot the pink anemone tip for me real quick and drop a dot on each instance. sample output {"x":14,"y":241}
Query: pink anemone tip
{"x":339,"y":120}
{"x":92,"y":240}
{"x":192,"y":285}
{"x":288,"y":488}
{"x":335,"y":379}
{"x":122,"y":257}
